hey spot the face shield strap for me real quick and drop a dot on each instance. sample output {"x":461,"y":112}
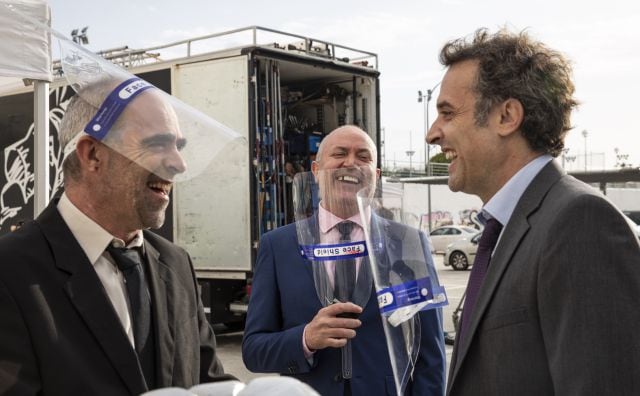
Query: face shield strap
{"x":109,"y":112}
{"x":114,"y":105}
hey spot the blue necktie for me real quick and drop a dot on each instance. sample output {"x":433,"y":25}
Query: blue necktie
{"x":486,"y":244}
{"x":130,"y":263}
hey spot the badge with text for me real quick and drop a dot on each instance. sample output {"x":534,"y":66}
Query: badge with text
{"x":408,"y":293}
{"x":114,"y":105}
{"x":338,"y":251}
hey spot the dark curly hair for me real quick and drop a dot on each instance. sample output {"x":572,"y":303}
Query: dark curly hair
{"x":515,"y":66}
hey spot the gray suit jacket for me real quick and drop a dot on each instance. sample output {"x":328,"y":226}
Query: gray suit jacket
{"x":59,"y":333}
{"x":558,"y":311}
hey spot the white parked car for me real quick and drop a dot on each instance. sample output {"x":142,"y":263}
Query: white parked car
{"x":442,"y":236}
{"x":461,"y":253}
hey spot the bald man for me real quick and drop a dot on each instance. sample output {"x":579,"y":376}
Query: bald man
{"x":289,"y":332}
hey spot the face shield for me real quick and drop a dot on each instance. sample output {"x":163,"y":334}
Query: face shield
{"x":155,"y":130}
{"x":331,"y":236}
{"x":404,"y":276}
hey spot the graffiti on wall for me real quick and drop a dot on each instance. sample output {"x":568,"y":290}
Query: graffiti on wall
{"x":468,"y":217}
{"x":18,"y":166}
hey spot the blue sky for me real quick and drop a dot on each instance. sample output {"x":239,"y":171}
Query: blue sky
{"x":601,"y":38}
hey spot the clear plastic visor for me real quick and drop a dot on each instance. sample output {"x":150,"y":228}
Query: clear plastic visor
{"x":157,"y":131}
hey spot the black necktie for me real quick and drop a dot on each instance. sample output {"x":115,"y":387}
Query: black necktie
{"x":345,"y":274}
{"x":130,"y":263}
{"x":486,"y":244}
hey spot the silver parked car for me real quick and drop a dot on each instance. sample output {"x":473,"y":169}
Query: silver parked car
{"x":442,"y":236}
{"x":460,"y":254}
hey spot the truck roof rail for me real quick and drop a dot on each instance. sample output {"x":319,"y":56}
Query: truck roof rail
{"x":256,"y":36}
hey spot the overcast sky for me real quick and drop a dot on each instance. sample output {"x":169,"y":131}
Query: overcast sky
{"x":601,"y":38}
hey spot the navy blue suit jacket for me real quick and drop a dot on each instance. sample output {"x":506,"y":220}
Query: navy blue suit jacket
{"x":284,"y":300}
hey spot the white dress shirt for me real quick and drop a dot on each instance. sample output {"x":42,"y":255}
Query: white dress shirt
{"x":93,"y":240}
{"x":503,"y":203}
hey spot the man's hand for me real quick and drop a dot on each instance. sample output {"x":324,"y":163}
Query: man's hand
{"x":328,"y":330}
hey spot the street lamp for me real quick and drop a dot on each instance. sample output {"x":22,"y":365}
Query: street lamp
{"x":410,"y":153}
{"x":421,"y":99}
{"x":427,"y":158}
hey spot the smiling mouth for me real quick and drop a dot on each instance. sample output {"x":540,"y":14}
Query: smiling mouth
{"x":348,"y":179}
{"x":450,"y":155}
{"x":161,"y":187}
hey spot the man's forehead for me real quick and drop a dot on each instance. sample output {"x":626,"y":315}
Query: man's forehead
{"x":461,"y":75}
{"x":153,"y":111}
{"x":348,"y":139}
{"x":458,"y":84}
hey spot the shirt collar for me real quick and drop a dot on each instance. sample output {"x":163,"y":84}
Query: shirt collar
{"x":93,"y":239}
{"x":503,"y":203}
{"x":328,"y":220}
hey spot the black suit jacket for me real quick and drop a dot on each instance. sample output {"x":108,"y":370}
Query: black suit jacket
{"x":557,"y":313}
{"x":59,"y":333}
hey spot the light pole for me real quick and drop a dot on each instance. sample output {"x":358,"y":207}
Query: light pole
{"x":421,"y":99}
{"x":585,"y":134}
{"x":427,"y":158}
{"x":410,"y":153}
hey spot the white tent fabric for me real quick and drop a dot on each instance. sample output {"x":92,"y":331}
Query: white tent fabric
{"x":25,"y":49}
{"x":25,"y":53}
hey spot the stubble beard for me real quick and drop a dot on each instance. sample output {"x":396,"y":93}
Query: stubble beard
{"x":151,"y":215}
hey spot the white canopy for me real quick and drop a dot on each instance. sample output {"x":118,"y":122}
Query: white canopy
{"x":25,"y":50}
{"x":25,"y":53}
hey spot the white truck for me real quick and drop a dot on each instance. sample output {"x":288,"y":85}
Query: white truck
{"x":282,"y":92}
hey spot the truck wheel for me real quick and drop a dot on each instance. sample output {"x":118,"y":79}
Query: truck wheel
{"x":458,"y":261}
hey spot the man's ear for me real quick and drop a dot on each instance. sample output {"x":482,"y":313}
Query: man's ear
{"x":511,"y":115}
{"x":90,"y":153}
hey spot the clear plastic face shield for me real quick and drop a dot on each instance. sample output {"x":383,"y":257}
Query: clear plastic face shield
{"x":330,"y":230}
{"x":404,"y":276}
{"x":149,"y":127}
{"x":331,"y":236}
{"x":155,"y":130}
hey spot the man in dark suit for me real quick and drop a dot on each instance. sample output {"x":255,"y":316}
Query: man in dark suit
{"x":289,"y":332}
{"x":69,"y":323}
{"x":552,"y":304}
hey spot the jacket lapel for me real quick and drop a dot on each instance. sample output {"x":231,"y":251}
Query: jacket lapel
{"x":512,"y":235}
{"x":86,"y":293}
{"x":160,"y":282}
{"x":311,"y":224}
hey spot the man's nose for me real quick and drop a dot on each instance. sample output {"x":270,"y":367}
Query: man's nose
{"x":175,"y":163}
{"x":350,"y":160}
{"x":433,"y":133}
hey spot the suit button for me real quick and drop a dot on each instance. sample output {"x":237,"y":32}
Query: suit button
{"x":337,"y":377}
